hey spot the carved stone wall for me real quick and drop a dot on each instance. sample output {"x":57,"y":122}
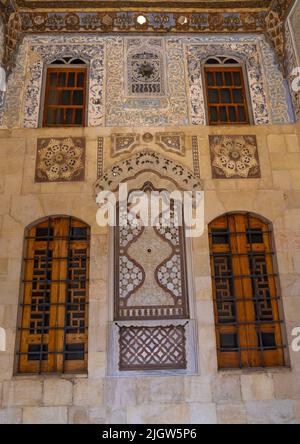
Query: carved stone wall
{"x":292,"y":55}
{"x":176,"y":96}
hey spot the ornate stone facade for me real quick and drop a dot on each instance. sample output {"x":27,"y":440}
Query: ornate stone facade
{"x":60,"y":160}
{"x":109,"y":103}
{"x":234,"y":157}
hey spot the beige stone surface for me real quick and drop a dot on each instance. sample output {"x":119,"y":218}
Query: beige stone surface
{"x":231,"y":413}
{"x":45,"y":415}
{"x":22,"y":392}
{"x":57,"y":392}
{"x":210,"y":396}
{"x":88,"y":392}
{"x":257,"y":387}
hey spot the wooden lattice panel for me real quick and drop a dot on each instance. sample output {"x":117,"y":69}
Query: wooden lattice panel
{"x":53,"y":326}
{"x":247,"y":315}
{"x":152,"y":348}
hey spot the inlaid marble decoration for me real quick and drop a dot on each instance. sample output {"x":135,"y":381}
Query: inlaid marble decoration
{"x":144,"y":67}
{"x":123,"y":143}
{"x":178,"y":72}
{"x":294,"y":22}
{"x":100,"y":166}
{"x":60,"y":160}
{"x":171,"y":141}
{"x":195,"y":150}
{"x":234,"y":157}
{"x":266,"y":85}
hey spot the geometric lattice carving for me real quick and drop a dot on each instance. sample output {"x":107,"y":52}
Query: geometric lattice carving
{"x":150,"y":272}
{"x":234,"y":157}
{"x":224,"y":289}
{"x":261,"y":288}
{"x":60,"y":160}
{"x":158,"y":347}
{"x":145,"y":68}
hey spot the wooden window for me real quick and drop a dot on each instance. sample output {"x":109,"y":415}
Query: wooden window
{"x":225,"y":92}
{"x":247,"y":316}
{"x":65,"y":96}
{"x":54,"y":316}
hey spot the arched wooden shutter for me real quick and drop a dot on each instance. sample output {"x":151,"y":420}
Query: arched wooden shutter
{"x":245,"y":293}
{"x":53,"y":326}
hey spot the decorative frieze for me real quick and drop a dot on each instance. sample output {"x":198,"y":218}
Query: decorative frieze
{"x":147,"y":160}
{"x":126,"y":21}
{"x":60,"y":160}
{"x":100,"y":166}
{"x":234,"y":157}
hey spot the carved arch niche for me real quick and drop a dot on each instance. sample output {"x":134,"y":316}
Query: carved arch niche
{"x":152,"y":327}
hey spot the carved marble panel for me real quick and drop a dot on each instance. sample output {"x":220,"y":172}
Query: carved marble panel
{"x":171,"y":141}
{"x":234,"y":157}
{"x":60,"y":160}
{"x":123,"y":143}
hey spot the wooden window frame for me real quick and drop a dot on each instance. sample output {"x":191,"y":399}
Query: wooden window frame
{"x":245,"y":88}
{"x":53,"y":327}
{"x":236,"y":302}
{"x":65,"y":68}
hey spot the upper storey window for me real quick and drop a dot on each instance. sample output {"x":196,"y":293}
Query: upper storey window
{"x":225,"y":92}
{"x":65,"y":95}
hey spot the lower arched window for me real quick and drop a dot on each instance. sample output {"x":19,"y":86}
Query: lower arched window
{"x":247,"y":308}
{"x":53,"y":317}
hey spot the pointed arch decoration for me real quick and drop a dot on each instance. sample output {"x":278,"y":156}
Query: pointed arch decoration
{"x":143,"y":163}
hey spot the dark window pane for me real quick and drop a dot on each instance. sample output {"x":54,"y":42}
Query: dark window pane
{"x":223,"y":115}
{"x":210,"y":78}
{"x":212,"y":61}
{"x":266,"y":340}
{"x":255,"y":236}
{"x":225,"y":96}
{"x":69,"y":116}
{"x":53,"y":97}
{"x":59,"y":119}
{"x":237,"y":96}
{"x":232,"y":116}
{"x":219,"y":78}
{"x":58,"y":62}
{"x":37,"y":352}
{"x":77,"y":62}
{"x":43,"y":233}
{"x":228,"y":342}
{"x":228,"y":79}
{"x":62,"y":78}
{"x":74,"y":352}
{"x":65,"y":97}
{"x":78,"y":233}
{"x":237,"y":79}
{"x":241,"y":114}
{"x":71,"y":79}
{"x":213,"y":114}
{"x":219,"y":236}
{"x":50,"y":119}
{"x":52,"y":80}
{"x":78,"y":97}
{"x":78,"y":116}
{"x":231,"y":62}
{"x":80,"y":79}
{"x":213,"y":95}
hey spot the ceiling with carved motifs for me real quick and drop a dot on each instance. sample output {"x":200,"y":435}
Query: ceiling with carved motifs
{"x":91,"y":4}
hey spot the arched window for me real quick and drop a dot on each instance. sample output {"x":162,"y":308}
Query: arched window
{"x":65,"y":94}
{"x":247,"y":310}
{"x":225,"y":91}
{"x":54,"y":318}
